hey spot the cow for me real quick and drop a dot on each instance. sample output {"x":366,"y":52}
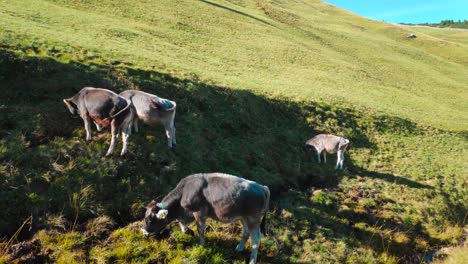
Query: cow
{"x":327,"y":143}
{"x":150,"y":109}
{"x":222,"y":197}
{"x":104,"y":108}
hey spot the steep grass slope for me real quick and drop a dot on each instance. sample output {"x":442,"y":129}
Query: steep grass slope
{"x":253,"y":80}
{"x":293,"y":48}
{"x":456,"y":35}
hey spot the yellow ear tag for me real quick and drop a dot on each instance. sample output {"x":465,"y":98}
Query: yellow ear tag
{"x":162,"y":214}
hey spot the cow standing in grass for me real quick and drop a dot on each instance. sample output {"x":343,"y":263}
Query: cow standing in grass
{"x":151,"y":109}
{"x":222,"y":197}
{"x":327,"y":143}
{"x":105,"y":108}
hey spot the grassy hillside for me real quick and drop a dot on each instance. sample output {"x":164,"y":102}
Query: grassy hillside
{"x":307,"y":49}
{"x":453,"y":35}
{"x":253,"y":80}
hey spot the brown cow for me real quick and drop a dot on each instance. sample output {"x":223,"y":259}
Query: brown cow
{"x":104,"y":108}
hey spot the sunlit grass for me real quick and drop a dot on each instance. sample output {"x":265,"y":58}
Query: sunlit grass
{"x":305,"y":49}
{"x":253,"y":80}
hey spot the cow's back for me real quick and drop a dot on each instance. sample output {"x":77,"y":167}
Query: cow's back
{"x":143,"y":105}
{"x":230,"y":197}
{"x":330,"y":143}
{"x":100,"y":103}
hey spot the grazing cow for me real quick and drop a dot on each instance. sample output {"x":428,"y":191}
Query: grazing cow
{"x":327,"y":143}
{"x":104,"y":108}
{"x":150,"y":109}
{"x":222,"y":197}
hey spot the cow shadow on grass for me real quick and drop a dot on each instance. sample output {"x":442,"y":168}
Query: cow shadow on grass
{"x":324,"y":175}
{"x":388,"y":177}
{"x":329,"y":217}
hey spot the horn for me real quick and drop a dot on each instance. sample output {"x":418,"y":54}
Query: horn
{"x":70,"y":107}
{"x":145,"y":233}
{"x":66,"y":101}
{"x":162,"y":214}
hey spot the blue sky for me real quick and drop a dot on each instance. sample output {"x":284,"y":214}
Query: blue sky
{"x":406,"y":11}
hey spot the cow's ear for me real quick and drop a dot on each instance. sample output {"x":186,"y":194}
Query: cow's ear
{"x":162,"y":214}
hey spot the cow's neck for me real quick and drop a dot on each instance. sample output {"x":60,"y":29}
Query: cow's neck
{"x":173,"y":197}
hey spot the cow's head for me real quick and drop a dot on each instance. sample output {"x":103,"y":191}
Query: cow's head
{"x":71,"y":105}
{"x":308,"y":148}
{"x":156,"y":218}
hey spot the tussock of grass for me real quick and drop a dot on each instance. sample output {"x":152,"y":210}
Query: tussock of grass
{"x":454,"y":255}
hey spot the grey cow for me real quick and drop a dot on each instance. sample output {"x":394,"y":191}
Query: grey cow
{"x":104,"y":108}
{"x":219,"y":196}
{"x":327,"y":143}
{"x":150,"y":109}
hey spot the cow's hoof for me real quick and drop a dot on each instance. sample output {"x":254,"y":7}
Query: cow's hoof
{"x":239,"y":248}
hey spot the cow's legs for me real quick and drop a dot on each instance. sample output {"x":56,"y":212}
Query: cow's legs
{"x":185,"y":229}
{"x":173,"y":129}
{"x":174,"y":142}
{"x":338,"y":161}
{"x":87,"y":124}
{"x":113,"y":136}
{"x":125,"y":135}
{"x":324,"y":156}
{"x":200,"y":218}
{"x":168,"y":128}
{"x":318,"y":156}
{"x":342,"y":159}
{"x":201,"y":225}
{"x":255,"y":236}
{"x":98,"y":127}
{"x":135,"y":125}
{"x":245,"y":236}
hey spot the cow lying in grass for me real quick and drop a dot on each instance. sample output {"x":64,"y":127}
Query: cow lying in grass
{"x":104,"y":108}
{"x":327,"y":143}
{"x":222,"y":197}
{"x":152,"y":109}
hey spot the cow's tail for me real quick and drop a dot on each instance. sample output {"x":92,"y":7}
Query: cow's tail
{"x":129,"y":103}
{"x":164,"y":104}
{"x":265,"y":209}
